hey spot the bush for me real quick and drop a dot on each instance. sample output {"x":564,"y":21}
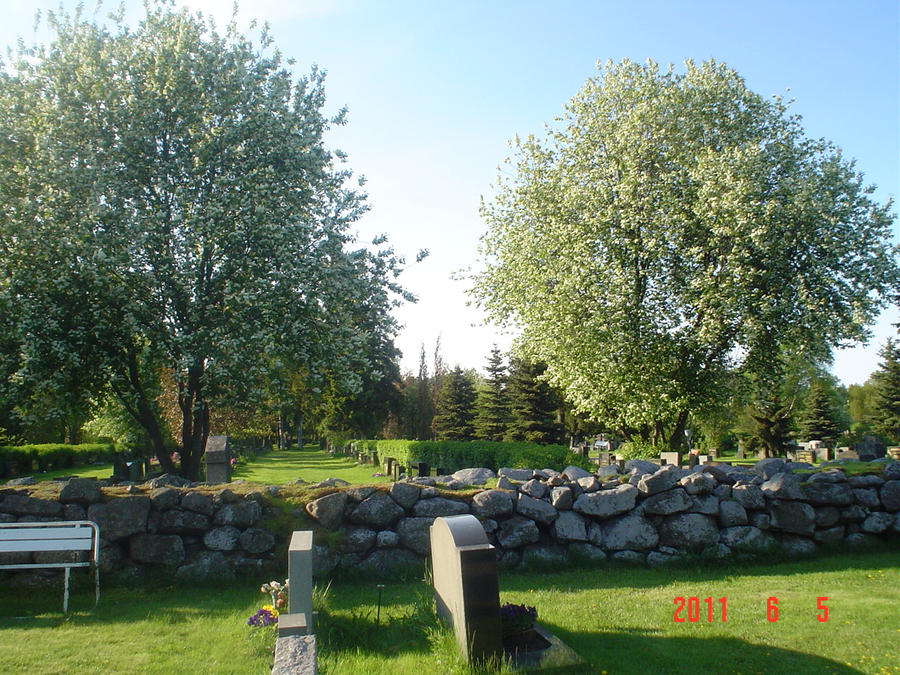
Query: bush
{"x":455,"y":455}
{"x":637,"y":449}
{"x":55,"y":455}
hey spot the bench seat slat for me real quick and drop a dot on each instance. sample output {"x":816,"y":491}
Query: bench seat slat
{"x":40,"y":533}
{"x":48,"y":545}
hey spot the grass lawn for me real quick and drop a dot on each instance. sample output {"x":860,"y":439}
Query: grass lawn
{"x":619,"y":620}
{"x":311,"y":464}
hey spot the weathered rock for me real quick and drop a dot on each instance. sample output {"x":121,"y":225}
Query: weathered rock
{"x":415,"y":534}
{"x":121,"y":518}
{"x":877,"y":522}
{"x":595,"y":534}
{"x":81,"y":490}
{"x":439,"y":506}
{"x":890,"y":495}
{"x":21,"y":482}
{"x":749,"y":496}
{"x":534,"y":488}
{"x":573,"y":473}
{"x":826,"y":516}
{"x":478,"y":476}
{"x":390,"y":562}
{"x":518,"y":531}
{"x":493,"y":503}
{"x":543,"y":556}
{"x":378,"y":511}
{"x":867,"y":497}
{"x":256,"y":541}
{"x":171,"y":480}
{"x":329,"y":510}
{"x":798,"y":546}
{"x":70,"y":512}
{"x":607,"y":503}
{"x":606,"y":472}
{"x":891,"y":471}
{"x":768,"y":467}
{"x":583,"y":552}
{"x":629,"y":532}
{"x":642,"y":466}
{"x":561,"y":498}
{"x":831,"y":536}
{"x":746,"y":538}
{"x":721,"y":472}
{"x":708,"y":505}
{"x":208,"y":566}
{"x":180,"y":521}
{"x":405,"y":494}
{"x":199,"y":502}
{"x":853,"y":514}
{"x":656,"y":559}
{"x":570,"y":527}
{"x":164,"y":498}
{"x":504,"y":483}
{"x":865,"y":481}
{"x":588,"y":484}
{"x":723,"y":491}
{"x":241,"y":514}
{"x":358,"y":540}
{"x":828,"y":476}
{"x":731,"y":513}
{"x":628,"y":557}
{"x":700,"y":483}
{"x":761,"y":520}
{"x":860,"y":540}
{"x":791,"y":516}
{"x":660,"y":481}
{"x":387,"y":539}
{"x":324,"y":560}
{"x":823,"y":494}
{"x":156,"y":549}
{"x":359,"y":493}
{"x":516,"y":474}
{"x":536,"y":509}
{"x":23,"y":505}
{"x":223,"y":538}
{"x":692,"y":531}
{"x":782,"y":486}
{"x":668,"y":502}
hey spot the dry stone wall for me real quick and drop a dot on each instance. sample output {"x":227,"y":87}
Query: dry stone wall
{"x":646,"y":514}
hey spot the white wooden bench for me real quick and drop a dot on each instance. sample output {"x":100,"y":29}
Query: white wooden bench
{"x":63,"y":536}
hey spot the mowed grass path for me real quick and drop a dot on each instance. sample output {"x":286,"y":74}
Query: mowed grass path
{"x":619,"y":620}
{"x":311,"y":464}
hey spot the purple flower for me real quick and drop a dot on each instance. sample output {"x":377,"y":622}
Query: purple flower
{"x":263,"y":618}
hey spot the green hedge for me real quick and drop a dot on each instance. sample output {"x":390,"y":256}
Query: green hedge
{"x":53,"y":455}
{"x":455,"y":455}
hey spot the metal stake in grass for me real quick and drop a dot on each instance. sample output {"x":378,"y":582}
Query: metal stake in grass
{"x":380,"y":587}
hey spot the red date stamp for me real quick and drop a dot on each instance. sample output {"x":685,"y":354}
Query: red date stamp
{"x":693,"y":609}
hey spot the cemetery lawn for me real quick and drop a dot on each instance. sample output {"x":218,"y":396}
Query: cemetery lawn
{"x":311,"y":464}
{"x":620,"y":620}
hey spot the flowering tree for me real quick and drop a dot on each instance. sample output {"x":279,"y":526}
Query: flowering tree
{"x":674,"y":227}
{"x":167,"y":202}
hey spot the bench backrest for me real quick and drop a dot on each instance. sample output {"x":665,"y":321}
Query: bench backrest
{"x":78,"y":535}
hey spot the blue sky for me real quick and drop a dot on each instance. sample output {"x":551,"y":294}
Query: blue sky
{"x":435,"y":90}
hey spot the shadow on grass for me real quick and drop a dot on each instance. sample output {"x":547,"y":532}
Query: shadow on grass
{"x":642,"y":652}
{"x":618,"y":577}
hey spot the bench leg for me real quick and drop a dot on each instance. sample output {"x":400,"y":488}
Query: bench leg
{"x":66,"y":592}
{"x":96,"y":585}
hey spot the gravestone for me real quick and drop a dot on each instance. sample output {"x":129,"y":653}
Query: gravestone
{"x":713,"y":453}
{"x":673,"y":458}
{"x":740,"y":450}
{"x":893,"y":452}
{"x":846,"y":454}
{"x":808,"y":456}
{"x":389,"y":465}
{"x":422,"y":469}
{"x":702,"y":459}
{"x":300,"y":575}
{"x":218,"y":460}
{"x":604,"y":459}
{"x":466,"y":590}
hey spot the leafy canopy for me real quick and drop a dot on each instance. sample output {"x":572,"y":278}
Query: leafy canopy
{"x":671,"y":227}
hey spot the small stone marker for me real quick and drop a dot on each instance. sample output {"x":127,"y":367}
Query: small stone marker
{"x":466,"y":589}
{"x":604,"y":459}
{"x":422,"y":469}
{"x":847,"y":454}
{"x":714,"y":453}
{"x":218,"y":460}
{"x":300,"y":574}
{"x":702,"y":459}
{"x":893,"y":452}
{"x":673,"y":458}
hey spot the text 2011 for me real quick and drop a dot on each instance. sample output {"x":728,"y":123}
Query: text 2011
{"x":693,"y":609}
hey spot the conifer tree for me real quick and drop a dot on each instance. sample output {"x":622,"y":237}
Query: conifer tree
{"x":821,"y":419}
{"x":534,"y":407}
{"x":456,"y":415}
{"x":492,"y":405}
{"x":887,"y":393}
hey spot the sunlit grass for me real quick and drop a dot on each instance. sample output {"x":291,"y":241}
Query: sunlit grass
{"x":311,"y":464}
{"x":619,"y":620}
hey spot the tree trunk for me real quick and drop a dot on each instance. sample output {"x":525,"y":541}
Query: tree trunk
{"x":676,"y":440}
{"x":299,"y":431}
{"x":195,"y":422}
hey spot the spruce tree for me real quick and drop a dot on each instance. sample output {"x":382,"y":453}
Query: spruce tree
{"x":492,"y":406}
{"x":456,"y":414}
{"x":821,"y":419}
{"x":887,"y":393}
{"x":534,"y":407}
